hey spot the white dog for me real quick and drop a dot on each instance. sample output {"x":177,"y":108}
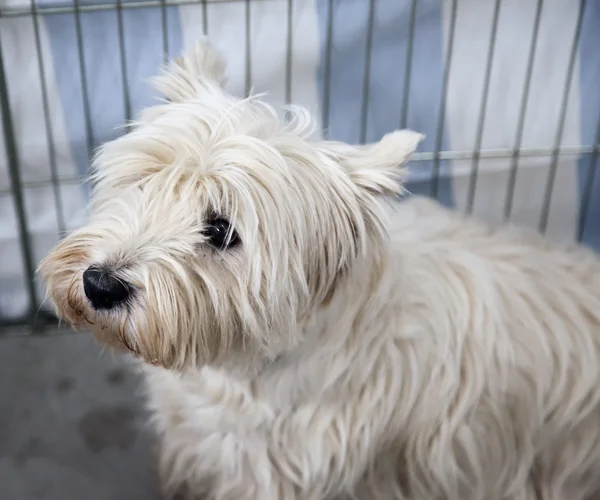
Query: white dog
{"x":306,"y":348}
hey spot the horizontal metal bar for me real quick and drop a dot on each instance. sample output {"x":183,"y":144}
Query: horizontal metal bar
{"x":504,"y":153}
{"x":62,"y":181}
{"x":29,"y":325}
{"x":70,"y":9}
{"x":425,"y":156}
{"x":16,"y":329}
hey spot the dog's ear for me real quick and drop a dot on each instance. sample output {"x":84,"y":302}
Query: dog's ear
{"x":199,"y":71}
{"x":379,"y":167}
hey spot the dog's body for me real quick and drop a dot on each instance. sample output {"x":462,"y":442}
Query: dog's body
{"x":471,"y":371}
{"x":315,"y":340}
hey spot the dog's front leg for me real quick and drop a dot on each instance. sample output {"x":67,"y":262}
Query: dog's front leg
{"x":321,"y":451}
{"x":221,"y":441}
{"x":212,"y":433}
{"x":310,"y":453}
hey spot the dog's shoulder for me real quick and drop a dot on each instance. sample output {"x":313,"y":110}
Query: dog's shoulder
{"x":423,"y":227}
{"x":418,"y":219}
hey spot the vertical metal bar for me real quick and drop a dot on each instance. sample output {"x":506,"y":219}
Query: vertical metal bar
{"x":123,"y":61}
{"x":327,"y":76}
{"x":439,"y":137}
{"x":367,"y":74}
{"x":204,"y":17}
{"x":58,"y":204}
{"x":590,"y":180}
{"x":512,"y":176}
{"x":84,"y":86}
{"x":408,"y":66}
{"x":248,"y":70}
{"x":165,"y":29}
{"x":561,"y":123}
{"x":482,"y":111}
{"x":289,"y":52}
{"x":17,"y":189}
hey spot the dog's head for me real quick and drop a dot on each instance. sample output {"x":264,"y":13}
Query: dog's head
{"x":216,"y":226}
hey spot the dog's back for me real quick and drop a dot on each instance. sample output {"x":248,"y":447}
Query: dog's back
{"x":506,"y":328}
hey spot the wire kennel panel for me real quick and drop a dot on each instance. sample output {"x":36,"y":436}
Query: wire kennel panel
{"x":506,"y":92}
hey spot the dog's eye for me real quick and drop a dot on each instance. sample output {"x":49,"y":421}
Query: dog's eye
{"x":220,"y":234}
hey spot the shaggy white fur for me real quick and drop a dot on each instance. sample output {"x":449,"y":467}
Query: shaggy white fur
{"x":313,"y":339}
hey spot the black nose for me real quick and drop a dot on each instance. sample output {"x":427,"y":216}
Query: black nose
{"x":103,"y":290}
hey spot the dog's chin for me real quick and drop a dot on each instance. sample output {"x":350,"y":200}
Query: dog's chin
{"x":112,"y":331}
{"x":112,"y":337}
{"x":109,"y":328}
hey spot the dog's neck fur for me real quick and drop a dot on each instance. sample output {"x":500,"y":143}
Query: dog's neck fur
{"x":363,"y":288}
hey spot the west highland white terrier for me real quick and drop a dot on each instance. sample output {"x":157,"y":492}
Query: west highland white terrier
{"x":305,"y":336}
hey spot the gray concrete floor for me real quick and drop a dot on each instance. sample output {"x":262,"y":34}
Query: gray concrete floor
{"x":72,"y":425}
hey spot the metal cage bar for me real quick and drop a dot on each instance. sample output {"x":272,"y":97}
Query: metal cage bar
{"x":289,"y":51}
{"x":586,"y":198}
{"x":58,"y":202}
{"x":545,"y":214}
{"x":367,"y":73}
{"x":327,"y":76}
{"x":248,"y":48}
{"x":164,"y":29}
{"x":16,"y":187}
{"x":6,"y":12}
{"x":439,"y":134}
{"x":471,"y":190}
{"x":512,"y":175}
{"x":408,"y":65}
{"x":83,"y":77}
{"x":123,"y":63}
{"x":204,"y":17}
